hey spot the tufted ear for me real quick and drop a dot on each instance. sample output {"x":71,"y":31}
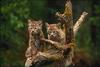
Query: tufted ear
{"x":29,"y":20}
{"x":40,"y":22}
{"x":29,"y":25}
{"x":59,"y":25}
{"x":46,"y":24}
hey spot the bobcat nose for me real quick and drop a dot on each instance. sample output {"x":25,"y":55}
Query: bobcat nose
{"x":51,"y":33}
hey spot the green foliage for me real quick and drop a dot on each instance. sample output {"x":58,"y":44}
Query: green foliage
{"x":37,"y":9}
{"x":88,"y":36}
{"x":14,"y":14}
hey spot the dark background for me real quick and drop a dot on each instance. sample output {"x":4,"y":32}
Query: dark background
{"x":13,"y":27}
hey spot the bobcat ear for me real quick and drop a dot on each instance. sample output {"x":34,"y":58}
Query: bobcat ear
{"x":59,"y":25}
{"x":46,"y":24}
{"x":29,"y":22}
{"x":40,"y":22}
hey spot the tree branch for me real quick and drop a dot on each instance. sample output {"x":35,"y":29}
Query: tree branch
{"x":79,"y":22}
{"x":51,"y":55}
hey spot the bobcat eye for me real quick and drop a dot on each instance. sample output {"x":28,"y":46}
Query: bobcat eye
{"x":54,"y":31}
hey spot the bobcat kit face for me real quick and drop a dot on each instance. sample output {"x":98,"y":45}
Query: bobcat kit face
{"x":34,"y":27}
{"x":55,"y":33}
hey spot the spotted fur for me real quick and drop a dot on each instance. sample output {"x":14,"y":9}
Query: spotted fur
{"x":35,"y":32}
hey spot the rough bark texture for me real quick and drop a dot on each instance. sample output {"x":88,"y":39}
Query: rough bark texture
{"x":68,"y":22}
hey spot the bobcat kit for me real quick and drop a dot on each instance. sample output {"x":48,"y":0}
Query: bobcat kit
{"x":35,"y":33}
{"x":55,"y":33}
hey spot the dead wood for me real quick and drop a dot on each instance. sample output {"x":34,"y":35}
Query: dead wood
{"x":79,"y":22}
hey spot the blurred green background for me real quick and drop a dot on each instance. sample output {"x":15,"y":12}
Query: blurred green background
{"x":13,"y":26}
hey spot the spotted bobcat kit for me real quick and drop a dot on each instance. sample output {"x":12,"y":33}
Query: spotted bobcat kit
{"x":56,"y":34}
{"x":35,"y":33}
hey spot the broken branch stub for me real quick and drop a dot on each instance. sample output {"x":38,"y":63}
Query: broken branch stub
{"x":79,"y":22}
